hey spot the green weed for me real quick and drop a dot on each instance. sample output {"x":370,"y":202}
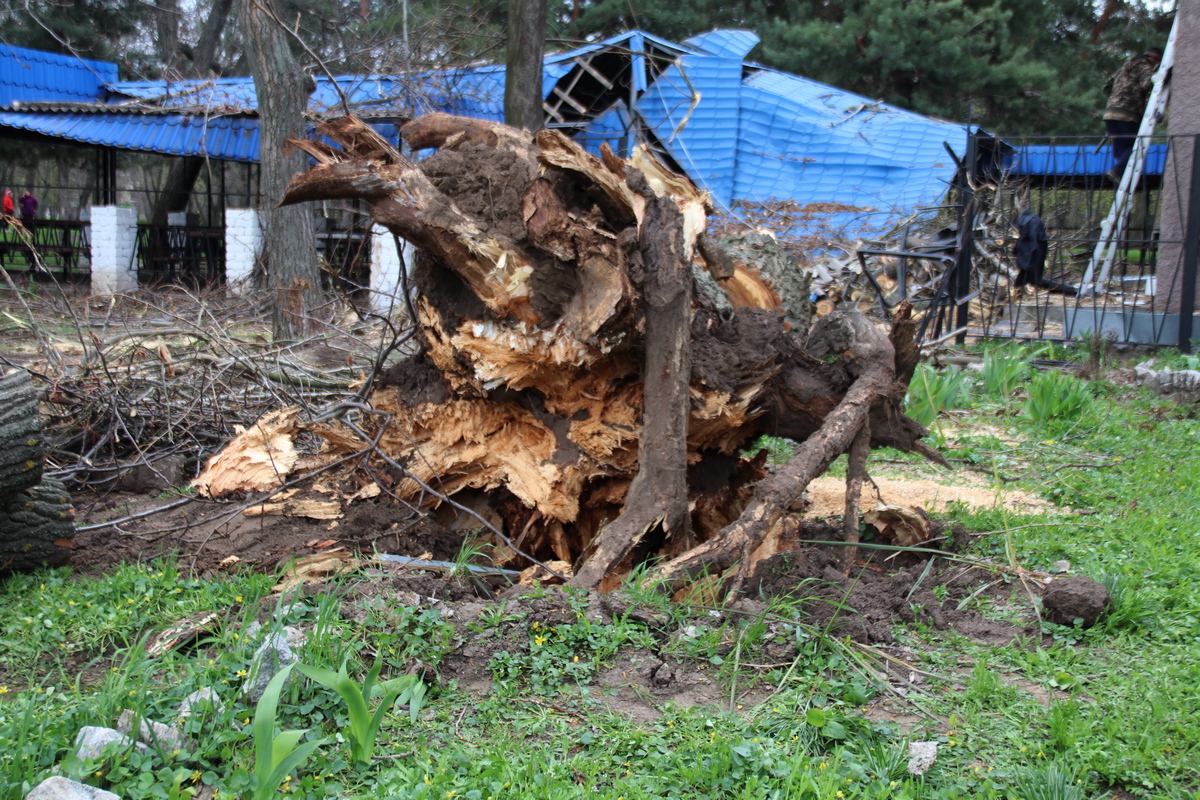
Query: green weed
{"x":1057,"y":397}
{"x":275,"y":755}
{"x":364,"y":725}
{"x":1004,"y":369}
{"x":932,"y":393}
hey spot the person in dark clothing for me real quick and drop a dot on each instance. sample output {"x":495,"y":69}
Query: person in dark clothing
{"x":1031,"y":249}
{"x":1128,"y":91}
{"x":29,"y":207}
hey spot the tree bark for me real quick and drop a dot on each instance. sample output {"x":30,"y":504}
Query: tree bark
{"x":290,"y":252}
{"x":873,"y":355}
{"x":20,"y":434}
{"x":181,"y":179}
{"x":856,"y":473}
{"x":658,"y":494}
{"x":36,"y":527}
{"x":523,"y":62}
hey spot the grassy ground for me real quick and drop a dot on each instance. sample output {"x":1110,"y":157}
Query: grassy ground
{"x":1062,"y":713}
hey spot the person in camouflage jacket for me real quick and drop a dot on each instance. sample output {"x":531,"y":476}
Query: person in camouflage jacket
{"x":1128,"y":90}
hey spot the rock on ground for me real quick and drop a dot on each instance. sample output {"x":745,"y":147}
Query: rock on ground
{"x":60,"y":788}
{"x":150,"y":732}
{"x":196,"y":700}
{"x":269,"y":660}
{"x":1075,"y":598}
{"x":91,"y":741}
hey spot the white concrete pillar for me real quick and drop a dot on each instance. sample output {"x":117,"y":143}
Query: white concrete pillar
{"x":243,"y":246}
{"x":386,"y":263}
{"x":114,"y":241}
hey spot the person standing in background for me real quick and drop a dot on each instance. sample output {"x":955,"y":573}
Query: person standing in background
{"x":8,"y":203}
{"x":29,"y":207}
{"x":1128,"y":90}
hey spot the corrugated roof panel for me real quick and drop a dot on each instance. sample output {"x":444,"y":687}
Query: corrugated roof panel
{"x":611,"y":127}
{"x":168,"y":134}
{"x":35,"y":76}
{"x":1072,"y":159}
{"x":732,"y":44}
{"x":694,"y":113}
{"x":814,"y":144}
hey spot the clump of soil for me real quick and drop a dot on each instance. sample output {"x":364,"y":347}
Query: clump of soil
{"x":1075,"y":599}
{"x":876,"y":596}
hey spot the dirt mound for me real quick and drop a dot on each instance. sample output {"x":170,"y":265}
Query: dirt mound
{"x":880,"y":593}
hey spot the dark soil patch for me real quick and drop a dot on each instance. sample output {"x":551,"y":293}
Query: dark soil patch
{"x":867,"y":604}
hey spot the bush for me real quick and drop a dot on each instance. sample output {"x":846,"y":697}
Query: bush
{"x":1004,"y":369}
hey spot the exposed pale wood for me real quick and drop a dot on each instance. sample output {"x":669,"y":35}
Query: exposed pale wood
{"x":258,"y":459}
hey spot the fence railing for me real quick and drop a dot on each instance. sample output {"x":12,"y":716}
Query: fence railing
{"x":1062,"y":186}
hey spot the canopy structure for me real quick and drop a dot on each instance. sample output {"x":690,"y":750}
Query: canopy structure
{"x":745,"y":133}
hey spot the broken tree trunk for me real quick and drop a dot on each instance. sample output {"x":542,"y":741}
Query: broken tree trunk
{"x":569,"y":370}
{"x":36,"y":519}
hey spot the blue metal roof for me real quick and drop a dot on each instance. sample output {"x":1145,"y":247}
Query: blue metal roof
{"x":803,"y":141}
{"x":734,"y":44}
{"x":234,"y":138}
{"x":38,"y":76}
{"x":1065,"y":160}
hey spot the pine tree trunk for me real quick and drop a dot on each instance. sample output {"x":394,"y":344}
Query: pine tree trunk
{"x":523,"y":64}
{"x":283,"y":88}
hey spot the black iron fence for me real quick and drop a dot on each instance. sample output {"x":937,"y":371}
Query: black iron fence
{"x":1128,"y":275}
{"x":180,"y":254}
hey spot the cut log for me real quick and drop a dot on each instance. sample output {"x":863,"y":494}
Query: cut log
{"x":570,"y":370}
{"x":37,"y":526}
{"x":20,"y":433}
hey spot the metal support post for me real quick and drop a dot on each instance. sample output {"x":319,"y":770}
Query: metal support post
{"x":1191,"y":250}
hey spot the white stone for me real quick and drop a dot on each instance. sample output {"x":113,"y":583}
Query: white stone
{"x":91,"y":741}
{"x":60,"y":788}
{"x":197,"y":699}
{"x":114,"y":242}
{"x":149,"y":732}
{"x":923,"y":754}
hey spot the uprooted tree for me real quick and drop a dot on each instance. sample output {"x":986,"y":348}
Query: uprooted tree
{"x":570,"y":373}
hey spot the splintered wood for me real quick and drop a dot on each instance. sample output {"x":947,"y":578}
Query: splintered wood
{"x":257,"y":460}
{"x":557,"y":314}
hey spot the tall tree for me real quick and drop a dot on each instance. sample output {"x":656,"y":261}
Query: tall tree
{"x":523,"y":74}
{"x":181,"y":178}
{"x":283,"y":88}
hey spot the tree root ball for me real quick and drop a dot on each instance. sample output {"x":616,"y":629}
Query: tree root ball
{"x":1075,"y":600}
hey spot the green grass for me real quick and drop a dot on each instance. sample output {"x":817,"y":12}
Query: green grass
{"x":1059,"y":713}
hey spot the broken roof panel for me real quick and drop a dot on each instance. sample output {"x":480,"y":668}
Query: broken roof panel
{"x":813,"y":144}
{"x":693,"y":109}
{"x":732,"y":44}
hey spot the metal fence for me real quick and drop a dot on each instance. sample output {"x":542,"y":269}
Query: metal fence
{"x":1138,"y":289}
